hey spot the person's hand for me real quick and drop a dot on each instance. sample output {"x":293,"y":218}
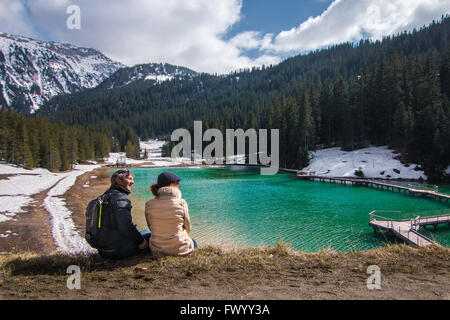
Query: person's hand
{"x":143,"y":245}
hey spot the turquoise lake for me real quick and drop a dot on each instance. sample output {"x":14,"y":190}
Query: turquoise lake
{"x":239,"y":207}
{"x":444,"y":189}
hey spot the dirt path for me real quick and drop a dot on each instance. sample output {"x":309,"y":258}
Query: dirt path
{"x":78,"y":197}
{"x":34,"y":226}
{"x":34,"y":229}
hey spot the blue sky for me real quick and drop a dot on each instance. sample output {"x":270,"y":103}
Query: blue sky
{"x":215,"y":36}
{"x":272,"y":16}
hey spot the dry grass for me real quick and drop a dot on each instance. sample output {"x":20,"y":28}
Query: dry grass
{"x":217,"y":271}
{"x":217,"y":259}
{"x":103,"y":174}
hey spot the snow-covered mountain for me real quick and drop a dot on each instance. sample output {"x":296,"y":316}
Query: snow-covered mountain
{"x":156,"y":72}
{"x":33,"y":71}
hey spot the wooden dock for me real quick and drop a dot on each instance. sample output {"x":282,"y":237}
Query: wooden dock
{"x":408,"y":229}
{"x":378,"y":185}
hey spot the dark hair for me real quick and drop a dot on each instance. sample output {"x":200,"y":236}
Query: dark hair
{"x":154,"y":189}
{"x":121,"y":174}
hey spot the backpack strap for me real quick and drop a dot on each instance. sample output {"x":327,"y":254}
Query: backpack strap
{"x":104,"y":202}
{"x":100,"y":213}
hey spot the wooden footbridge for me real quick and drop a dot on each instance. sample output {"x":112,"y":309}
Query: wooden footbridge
{"x":379,"y":185}
{"x":405,"y":229}
{"x":408,"y":229}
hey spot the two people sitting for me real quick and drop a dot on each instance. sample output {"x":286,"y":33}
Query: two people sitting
{"x":167,"y":217}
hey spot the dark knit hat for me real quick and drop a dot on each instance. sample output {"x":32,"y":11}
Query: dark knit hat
{"x":166,"y":178}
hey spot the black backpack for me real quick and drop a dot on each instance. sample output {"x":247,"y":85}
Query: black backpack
{"x":96,"y":212}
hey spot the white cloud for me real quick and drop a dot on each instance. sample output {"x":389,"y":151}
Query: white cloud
{"x":13,"y":17}
{"x":251,"y":40}
{"x":189,"y":32}
{"x":352,"y":20}
{"x":192,"y":33}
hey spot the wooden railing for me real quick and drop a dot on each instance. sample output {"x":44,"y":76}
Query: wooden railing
{"x":410,"y":226}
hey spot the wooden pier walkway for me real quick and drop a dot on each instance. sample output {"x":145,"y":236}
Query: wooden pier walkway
{"x":378,"y":185}
{"x":408,"y":229}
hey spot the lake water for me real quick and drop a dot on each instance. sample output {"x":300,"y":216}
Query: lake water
{"x":444,"y":189}
{"x":238,"y":206}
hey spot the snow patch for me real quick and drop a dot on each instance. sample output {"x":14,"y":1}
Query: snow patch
{"x":159,"y":77}
{"x":153,"y":147}
{"x":28,"y":184}
{"x":374,"y":162}
{"x":12,"y":205}
{"x":163,"y":162}
{"x":154,"y":152}
{"x":15,"y":193}
{"x":66,"y":237}
{"x":447,"y":171}
{"x":6,"y":168}
{"x":8,"y":233}
{"x":121,"y":158}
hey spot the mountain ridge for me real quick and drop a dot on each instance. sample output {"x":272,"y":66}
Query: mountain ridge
{"x":33,"y":71}
{"x":157,"y":72}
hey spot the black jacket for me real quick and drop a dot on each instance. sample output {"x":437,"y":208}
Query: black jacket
{"x":118,"y":229}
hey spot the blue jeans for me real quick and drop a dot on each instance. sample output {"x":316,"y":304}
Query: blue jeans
{"x":146,"y":233}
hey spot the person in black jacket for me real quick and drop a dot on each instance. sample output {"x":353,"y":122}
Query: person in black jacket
{"x":120,"y":238}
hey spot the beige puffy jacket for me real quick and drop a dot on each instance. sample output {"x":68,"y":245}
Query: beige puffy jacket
{"x":168,"y":219}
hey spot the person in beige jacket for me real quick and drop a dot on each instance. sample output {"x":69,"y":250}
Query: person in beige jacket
{"x":168,"y":218}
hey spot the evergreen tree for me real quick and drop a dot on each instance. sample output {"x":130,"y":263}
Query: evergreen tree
{"x":54,"y":155}
{"x":130,"y":150}
{"x":340,"y":113}
{"x":22,"y":147}
{"x":35,"y":144}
